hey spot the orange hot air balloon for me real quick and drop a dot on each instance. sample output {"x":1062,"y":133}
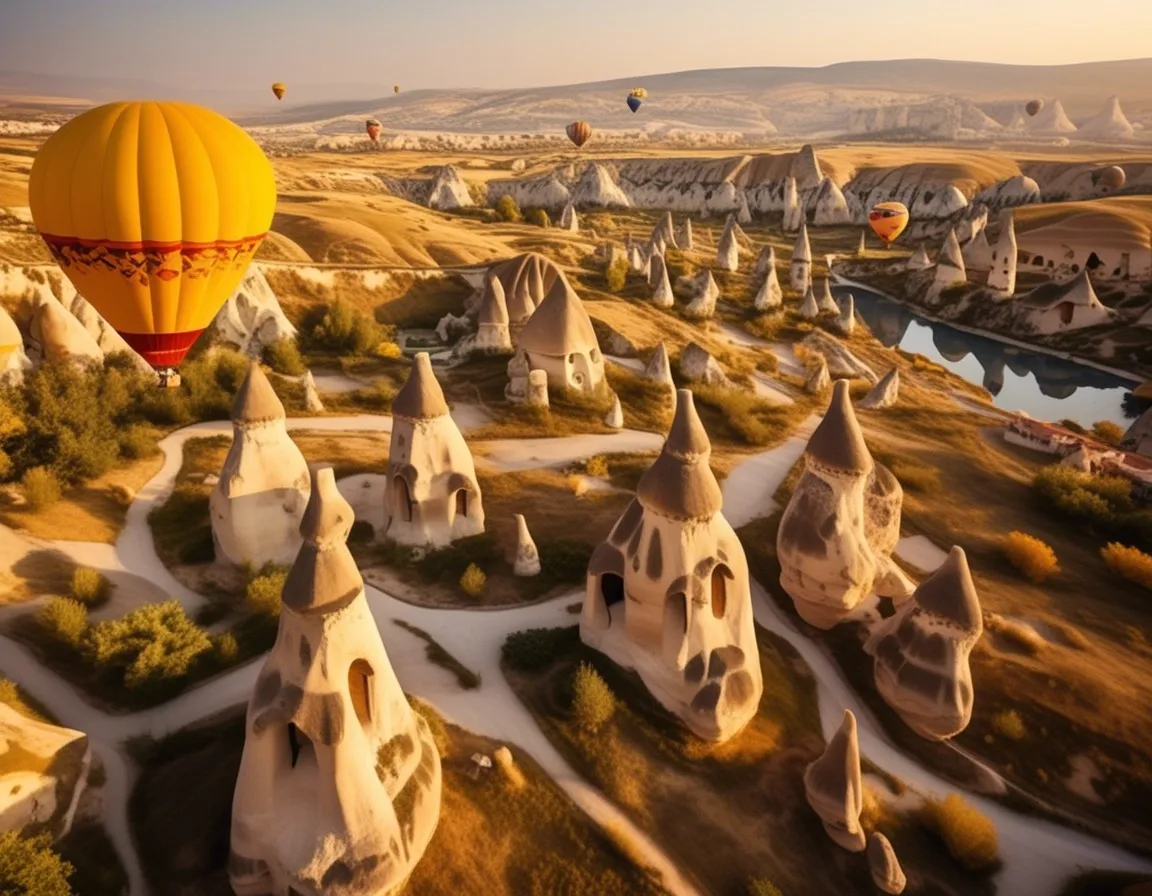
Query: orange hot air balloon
{"x":279,"y":89}
{"x":395,"y":88}
{"x":372,"y":126}
{"x":10,"y":339}
{"x":888,"y":220}
{"x":579,"y":132}
{"x":153,"y":211}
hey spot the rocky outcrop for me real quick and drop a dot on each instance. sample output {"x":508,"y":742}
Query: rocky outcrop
{"x":800,"y":272}
{"x":921,"y":652}
{"x":560,"y":340}
{"x":569,"y":220}
{"x":949,"y":263}
{"x":926,"y":196}
{"x":61,"y":337}
{"x":1109,"y":124}
{"x":887,"y":874}
{"x":329,"y":728}
{"x":684,"y":236}
{"x":658,"y":369}
{"x":918,"y":260}
{"x":664,"y":233}
{"x":698,"y":366}
{"x":449,"y":191}
{"x":258,"y":502}
{"x":615,"y":417}
{"x":770,"y":297}
{"x":818,"y":380}
{"x":14,"y":362}
{"x":252,"y":318}
{"x":662,"y":296}
{"x":841,"y":362}
{"x":492,"y":325}
{"x":43,"y":772}
{"x":109,"y":340}
{"x":1138,"y":438}
{"x":526,"y":562}
{"x":547,"y":191}
{"x":686,"y":626}
{"x":612,"y":341}
{"x":806,"y":169}
{"x":1010,"y":193}
{"x":846,"y":321}
{"x":829,"y":207}
{"x":1058,"y":307}
{"x":1051,"y":120}
{"x":728,"y":252}
{"x":793,"y":210}
{"x":1002,"y":275}
{"x":312,"y":402}
{"x":841,"y":526}
{"x":977,"y":253}
{"x":596,"y":188}
{"x":809,"y":308}
{"x":525,"y":279}
{"x":765,"y":261}
{"x":703,"y":304}
{"x":835,"y":789}
{"x":824,"y":300}
{"x":884,"y":394}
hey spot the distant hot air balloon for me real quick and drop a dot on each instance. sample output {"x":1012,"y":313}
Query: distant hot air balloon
{"x":633,"y":102}
{"x":888,"y":220}
{"x":1110,"y":178}
{"x":153,"y":210}
{"x":372,"y":126}
{"x":279,"y":89}
{"x":1033,"y":106}
{"x":395,"y":88}
{"x":639,"y":92}
{"x":579,"y":132}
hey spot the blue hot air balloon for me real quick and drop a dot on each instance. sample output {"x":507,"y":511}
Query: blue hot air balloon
{"x":634,"y":103}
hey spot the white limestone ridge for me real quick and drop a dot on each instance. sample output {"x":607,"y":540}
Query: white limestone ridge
{"x":829,"y":207}
{"x":921,"y":190}
{"x":14,"y":362}
{"x":1010,"y":193}
{"x":615,"y":417}
{"x":824,"y":300}
{"x":569,"y":220}
{"x":806,"y":168}
{"x":698,"y":366}
{"x":1002,"y":276}
{"x":312,"y":402}
{"x":108,"y":339}
{"x":835,"y":789}
{"x":548,"y":191}
{"x":884,"y":394}
{"x":61,"y":337}
{"x":977,"y":253}
{"x":596,"y":188}
{"x":527,"y":560}
{"x":662,"y":296}
{"x":1051,"y":120}
{"x":1109,"y":124}
{"x":809,"y":308}
{"x":770,"y":296}
{"x":918,"y":260}
{"x":703,"y":305}
{"x":449,"y":191}
{"x":793,"y":210}
{"x":251,"y":318}
{"x":846,"y":322}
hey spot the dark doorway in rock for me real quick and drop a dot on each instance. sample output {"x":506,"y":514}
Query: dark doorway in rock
{"x":611,"y":591}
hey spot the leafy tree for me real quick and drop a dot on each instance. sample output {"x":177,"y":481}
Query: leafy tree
{"x":153,"y":646}
{"x":29,"y":867}
{"x":508,"y":209}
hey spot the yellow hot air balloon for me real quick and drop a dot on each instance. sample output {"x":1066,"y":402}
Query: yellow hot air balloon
{"x":640,"y":93}
{"x":888,"y":220}
{"x":154,"y":211}
{"x":279,"y":89}
{"x":395,"y":88}
{"x":10,"y":339}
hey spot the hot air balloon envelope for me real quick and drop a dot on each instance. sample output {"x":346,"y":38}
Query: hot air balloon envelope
{"x":279,"y":89}
{"x":395,"y":88}
{"x":1033,"y":106}
{"x":888,"y":220}
{"x":153,"y":211}
{"x":639,"y":92}
{"x":1111,"y":178}
{"x":634,"y":103}
{"x":372,"y":126}
{"x":579,"y":132}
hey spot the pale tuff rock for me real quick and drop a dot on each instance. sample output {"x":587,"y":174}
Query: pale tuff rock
{"x":559,"y":340}
{"x":839,"y":530}
{"x":1002,"y":276}
{"x":252,"y":318}
{"x":887,"y":874}
{"x":662,"y":296}
{"x":1079,"y":460}
{"x":922,"y":652}
{"x":818,"y":380}
{"x":806,"y":169}
{"x":824,"y":300}
{"x":770,"y":296}
{"x":658,"y":369}
{"x":41,"y":774}
{"x":1110,"y":124}
{"x":835,"y":789}
{"x":451,"y":327}
{"x":884,"y":394}
{"x":861,"y":247}
{"x":703,"y":305}
{"x":329,"y":728}
{"x":1138,"y":438}
{"x":978,"y":253}
{"x":793,"y":210}
{"x":1056,"y":307}
{"x":615,"y":417}
{"x":728,"y":252}
{"x":547,"y":191}
{"x":800,"y":272}
{"x":612,"y":341}
{"x":686,"y":626}
{"x":312,"y":402}
{"x":108,"y":339}
{"x":846,"y":322}
{"x":527,"y":560}
{"x":13,"y":361}
{"x":1018,"y":190}
{"x":62,"y":338}
{"x":596,"y":188}
{"x":950,"y":262}
{"x":684,"y":236}
{"x":918,"y":260}
{"x":636,"y":260}
{"x":841,"y":362}
{"x":431,"y":496}
{"x":765,"y":261}
{"x":569,"y":220}
{"x":537,"y":396}
{"x":809,"y":308}
{"x":974,"y":221}
{"x":449,"y":191}
{"x":257,"y":503}
{"x":1018,"y":121}
{"x":492,"y":326}
{"x":698,"y":366}
{"x":1051,"y":120}
{"x":665,"y":232}
{"x":829,"y":207}
{"x":516,"y":391}
{"x":526,"y":279}
{"x":743,"y":213}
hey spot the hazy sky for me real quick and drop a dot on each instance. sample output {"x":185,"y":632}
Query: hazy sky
{"x":507,"y":43}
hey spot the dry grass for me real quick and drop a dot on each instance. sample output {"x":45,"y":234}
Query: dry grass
{"x":970,"y":836}
{"x":1131,"y":563}
{"x":1019,"y":635}
{"x":1035,"y":560}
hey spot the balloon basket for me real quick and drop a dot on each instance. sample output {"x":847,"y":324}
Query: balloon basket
{"x":168,"y":378}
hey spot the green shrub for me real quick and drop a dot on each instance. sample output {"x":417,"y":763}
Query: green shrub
{"x":283,"y":356}
{"x":64,"y":620}
{"x":225,"y":648}
{"x":136,"y":441}
{"x":1131,"y":563}
{"x":970,"y":836}
{"x":154,"y":647}
{"x":29,"y":867}
{"x":761,"y":886}
{"x":341,"y":329}
{"x":564,"y":562}
{"x":508,"y":209}
{"x":1104,"y":502}
{"x":262,"y":593}
{"x":1108,"y":432}
{"x":535,"y":649}
{"x":597,"y":466}
{"x":41,"y":488}
{"x":473,"y":580}
{"x":616,"y":275}
{"x":537,"y":217}
{"x":89,"y":587}
{"x":1009,"y":724}
{"x":593,"y":702}
{"x":1031,"y":556}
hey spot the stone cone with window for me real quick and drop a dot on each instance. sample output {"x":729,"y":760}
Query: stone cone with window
{"x":338,"y":792}
{"x":559,"y":340}
{"x":668,"y":592}
{"x":431,"y":496}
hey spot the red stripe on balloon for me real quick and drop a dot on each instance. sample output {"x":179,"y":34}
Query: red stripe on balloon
{"x":161,"y":349}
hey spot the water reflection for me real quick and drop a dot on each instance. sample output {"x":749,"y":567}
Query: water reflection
{"x":1043,"y":386}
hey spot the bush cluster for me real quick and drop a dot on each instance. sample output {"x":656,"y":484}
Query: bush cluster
{"x":1131,"y":563}
{"x":534,"y":649}
{"x":473,"y":580}
{"x":1031,"y":556}
{"x":593,"y":702}
{"x":1102,"y":502}
{"x":616,"y":274}
{"x":342,"y":330}
{"x":29,"y":867}
{"x":508,"y":209}
{"x":971,"y":837}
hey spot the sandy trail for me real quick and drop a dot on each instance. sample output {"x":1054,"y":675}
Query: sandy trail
{"x":750,"y":485}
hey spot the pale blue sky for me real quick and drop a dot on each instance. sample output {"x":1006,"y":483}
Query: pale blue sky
{"x":222,"y":44}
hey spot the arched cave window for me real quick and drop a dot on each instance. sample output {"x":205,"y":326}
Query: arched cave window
{"x":611,"y":591}
{"x":297,"y":743}
{"x":462,"y":502}
{"x":360,"y":690}
{"x":594,"y":355}
{"x":403,"y":499}
{"x":1038,"y":261}
{"x":1093,"y":262}
{"x":1066,"y":311}
{"x":572,"y":359}
{"x":719,"y":592}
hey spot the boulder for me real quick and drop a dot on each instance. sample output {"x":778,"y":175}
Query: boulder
{"x":451,"y":327}
{"x":835,"y":789}
{"x":662,"y":296}
{"x":884,"y":394}
{"x":615,"y":417}
{"x":887,"y":874}
{"x":770,"y":297}
{"x":841,"y":362}
{"x":728,"y":252}
{"x":918,"y":260}
{"x":312,"y":402}
{"x":527,"y":560}
{"x":43,"y":772}
{"x":251,"y":318}
{"x":846,"y":321}
{"x":818,"y":380}
{"x":698,"y":366}
{"x":809,"y":308}
{"x":703,"y":305}
{"x":449,"y":191}
{"x":658,"y":368}
{"x":612,"y":341}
